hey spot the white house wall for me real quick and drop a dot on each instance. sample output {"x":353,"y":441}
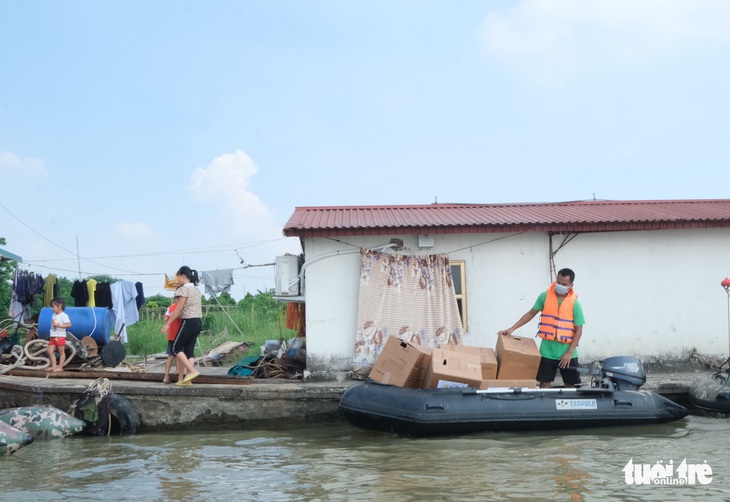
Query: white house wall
{"x":655,"y":295}
{"x":331,"y":287}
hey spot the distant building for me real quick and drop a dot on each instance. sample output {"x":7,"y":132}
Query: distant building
{"x":648,"y":273}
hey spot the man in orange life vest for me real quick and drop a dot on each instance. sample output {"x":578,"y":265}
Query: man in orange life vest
{"x":561,"y":326}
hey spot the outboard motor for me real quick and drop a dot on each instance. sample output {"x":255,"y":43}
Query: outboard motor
{"x":626,"y":373}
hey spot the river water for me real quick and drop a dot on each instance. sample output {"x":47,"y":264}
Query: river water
{"x":333,"y":461}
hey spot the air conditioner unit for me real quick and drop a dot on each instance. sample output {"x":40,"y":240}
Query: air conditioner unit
{"x":287,"y":275}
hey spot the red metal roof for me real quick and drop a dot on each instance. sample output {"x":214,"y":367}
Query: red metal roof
{"x":578,"y":216}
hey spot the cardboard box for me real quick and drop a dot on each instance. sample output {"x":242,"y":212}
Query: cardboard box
{"x":508,"y":384}
{"x":487,"y":356}
{"x":449,"y":368}
{"x":519,"y":358}
{"x":401,"y":363}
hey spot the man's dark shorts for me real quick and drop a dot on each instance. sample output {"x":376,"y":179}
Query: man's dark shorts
{"x":549,"y":368}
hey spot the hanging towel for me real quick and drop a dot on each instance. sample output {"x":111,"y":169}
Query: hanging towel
{"x":292,"y":316}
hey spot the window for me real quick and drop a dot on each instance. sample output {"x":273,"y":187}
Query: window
{"x":458,"y":274}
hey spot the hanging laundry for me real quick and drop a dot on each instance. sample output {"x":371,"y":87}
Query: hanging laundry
{"x":91,"y":286}
{"x":140,"y":295}
{"x":302,"y":332}
{"x":50,"y":290}
{"x":292,"y":316}
{"x":26,"y":286}
{"x":21,"y":286}
{"x":103,"y":295}
{"x":18,"y":311}
{"x":124,"y":307}
{"x":217,"y":281}
{"x":171,"y":284}
{"x":80,"y":293}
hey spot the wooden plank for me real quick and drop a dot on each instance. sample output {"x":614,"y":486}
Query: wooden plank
{"x":136,"y":377}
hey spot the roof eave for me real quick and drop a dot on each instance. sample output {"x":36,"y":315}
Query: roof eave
{"x":7,"y":255}
{"x":512,"y":228}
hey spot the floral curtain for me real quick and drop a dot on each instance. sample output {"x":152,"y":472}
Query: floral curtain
{"x":411,"y":297}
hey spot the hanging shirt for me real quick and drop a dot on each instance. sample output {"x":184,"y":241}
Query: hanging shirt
{"x":140,"y":294}
{"x":103,"y":295}
{"x":217,"y":281}
{"x":21,"y":286}
{"x":50,"y":290}
{"x":80,"y":293}
{"x":91,"y":286}
{"x":124,"y":307}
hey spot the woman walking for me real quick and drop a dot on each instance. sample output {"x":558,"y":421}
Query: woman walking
{"x":190,"y":311}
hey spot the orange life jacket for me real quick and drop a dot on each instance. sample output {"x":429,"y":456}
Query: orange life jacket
{"x":556,"y":323}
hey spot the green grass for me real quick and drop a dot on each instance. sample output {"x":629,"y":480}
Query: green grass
{"x":256,"y":325}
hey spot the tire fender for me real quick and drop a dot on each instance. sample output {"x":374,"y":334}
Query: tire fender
{"x":125,"y":413}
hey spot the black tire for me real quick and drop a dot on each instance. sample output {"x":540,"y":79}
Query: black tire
{"x":125,"y":419}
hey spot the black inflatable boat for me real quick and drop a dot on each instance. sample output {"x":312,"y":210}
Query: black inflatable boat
{"x":711,"y":394}
{"x":612,"y":399}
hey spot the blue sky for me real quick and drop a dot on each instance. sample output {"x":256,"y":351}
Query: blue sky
{"x":166,"y":133}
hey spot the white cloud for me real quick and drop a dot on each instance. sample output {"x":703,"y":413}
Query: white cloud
{"x":134,"y":230}
{"x":225,"y":183}
{"x":10,"y":162}
{"x":554,"y":39}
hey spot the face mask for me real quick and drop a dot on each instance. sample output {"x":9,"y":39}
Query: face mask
{"x":560,"y":289}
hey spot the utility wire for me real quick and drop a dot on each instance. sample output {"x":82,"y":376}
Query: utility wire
{"x":76,"y":255}
{"x":164,"y":253}
{"x":129,"y":272}
{"x":37,"y":233}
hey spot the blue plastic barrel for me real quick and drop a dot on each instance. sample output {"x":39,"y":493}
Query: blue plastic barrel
{"x":85,"y":321}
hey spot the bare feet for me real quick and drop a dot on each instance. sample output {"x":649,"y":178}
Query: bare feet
{"x":57,"y":370}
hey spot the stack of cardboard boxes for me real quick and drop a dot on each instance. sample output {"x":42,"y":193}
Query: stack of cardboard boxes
{"x":513,"y":363}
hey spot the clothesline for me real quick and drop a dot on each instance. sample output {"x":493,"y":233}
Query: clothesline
{"x":27,"y":264}
{"x":215,"y":281}
{"x":122,"y":298}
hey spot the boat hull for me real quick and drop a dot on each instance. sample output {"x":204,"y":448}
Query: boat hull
{"x":429,"y":412}
{"x":12,"y":439}
{"x":711,"y":393}
{"x":42,"y":421}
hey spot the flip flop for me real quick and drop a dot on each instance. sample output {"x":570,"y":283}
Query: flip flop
{"x":184,"y":384}
{"x":190,"y":377}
